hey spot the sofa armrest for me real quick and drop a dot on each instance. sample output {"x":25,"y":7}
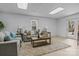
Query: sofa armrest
{"x":9,"y":48}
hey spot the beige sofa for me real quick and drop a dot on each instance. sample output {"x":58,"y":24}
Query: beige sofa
{"x":9,"y":48}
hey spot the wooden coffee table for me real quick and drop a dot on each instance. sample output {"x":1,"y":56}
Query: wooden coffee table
{"x":40,"y":41}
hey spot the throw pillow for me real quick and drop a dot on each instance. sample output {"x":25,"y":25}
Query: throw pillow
{"x":45,"y":34}
{"x":7,"y":36}
{"x":12,"y":34}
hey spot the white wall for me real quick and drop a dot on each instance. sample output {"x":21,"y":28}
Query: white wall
{"x":56,"y":27}
{"x":13,"y":20}
{"x":61,"y":27}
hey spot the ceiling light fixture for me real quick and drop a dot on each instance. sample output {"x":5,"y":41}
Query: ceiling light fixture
{"x":56,"y":10}
{"x":22,"y":5}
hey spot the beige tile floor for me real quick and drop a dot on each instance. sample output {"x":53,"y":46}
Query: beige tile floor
{"x":70,"y":51}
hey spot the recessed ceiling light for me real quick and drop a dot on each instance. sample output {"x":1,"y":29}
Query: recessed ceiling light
{"x":56,"y":10}
{"x":22,"y":5}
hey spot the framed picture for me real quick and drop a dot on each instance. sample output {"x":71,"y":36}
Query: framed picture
{"x":34,"y":24}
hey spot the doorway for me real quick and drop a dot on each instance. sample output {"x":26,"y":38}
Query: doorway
{"x":71,"y":29}
{"x":78,"y":34}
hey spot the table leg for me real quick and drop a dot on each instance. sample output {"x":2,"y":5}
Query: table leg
{"x":32,"y":42}
{"x":50,"y":41}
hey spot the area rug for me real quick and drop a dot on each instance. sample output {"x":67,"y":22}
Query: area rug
{"x":28,"y":50}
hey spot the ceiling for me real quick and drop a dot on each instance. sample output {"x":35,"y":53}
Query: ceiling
{"x":42,"y":9}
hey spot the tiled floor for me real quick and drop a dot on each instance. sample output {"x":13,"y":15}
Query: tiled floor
{"x":71,"y":51}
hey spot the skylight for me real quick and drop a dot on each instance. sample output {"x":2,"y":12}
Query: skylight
{"x":22,"y":5}
{"x":57,"y":10}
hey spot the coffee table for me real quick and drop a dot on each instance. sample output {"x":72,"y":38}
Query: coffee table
{"x":35,"y":41}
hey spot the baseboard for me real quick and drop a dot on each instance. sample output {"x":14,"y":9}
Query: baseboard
{"x":63,"y":37}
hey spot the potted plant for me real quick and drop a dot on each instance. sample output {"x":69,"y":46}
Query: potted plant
{"x":2,"y":35}
{"x":1,"y":25}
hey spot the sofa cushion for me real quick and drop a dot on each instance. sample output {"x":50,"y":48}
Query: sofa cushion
{"x":13,"y":35}
{"x":44,"y":34}
{"x":9,"y":36}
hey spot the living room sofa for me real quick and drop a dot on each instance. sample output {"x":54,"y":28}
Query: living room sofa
{"x":9,"y":48}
